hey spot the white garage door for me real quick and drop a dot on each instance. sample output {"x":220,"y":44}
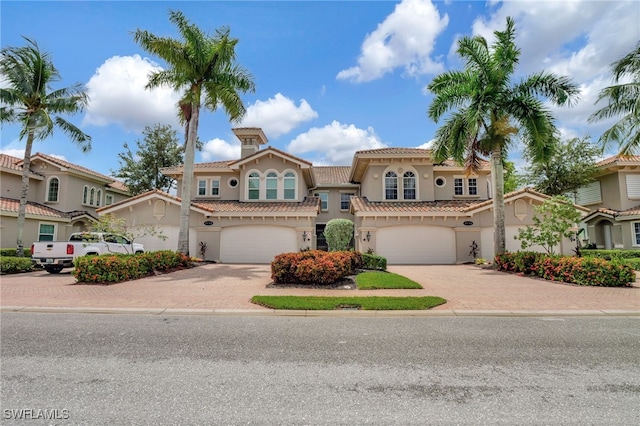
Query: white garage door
{"x":256,"y":244}
{"x":419,"y":245}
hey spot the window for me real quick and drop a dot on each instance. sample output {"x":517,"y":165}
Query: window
{"x":458,"y":186}
{"x":53,"y":189}
{"x":633,"y":186}
{"x":254,"y":186}
{"x":636,"y":233}
{"x":202,"y":188}
{"x":409,"y":185}
{"x":472,"y":186}
{"x":324,"y":200}
{"x":233,"y":182}
{"x":289,"y":186}
{"x":345,"y":200}
{"x":108,"y":199}
{"x":85,"y":195}
{"x":92,"y":196}
{"x":272,"y":186}
{"x":46,"y":232}
{"x":591,"y":193}
{"x":391,"y":186}
{"x":98,"y":197}
{"x":440,"y":181}
{"x":215,"y":188}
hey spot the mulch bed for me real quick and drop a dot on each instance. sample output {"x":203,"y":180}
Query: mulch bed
{"x":347,"y":283}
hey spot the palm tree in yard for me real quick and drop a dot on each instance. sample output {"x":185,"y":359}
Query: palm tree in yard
{"x":204,"y":69}
{"x":624,"y":100}
{"x":29,"y":101}
{"x":488,"y":110}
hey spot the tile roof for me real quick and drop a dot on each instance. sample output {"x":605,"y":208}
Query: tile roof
{"x":308,"y":205}
{"x":115,"y":184}
{"x":617,"y":159}
{"x":270,"y":148}
{"x":396,"y":151}
{"x":36,"y":209}
{"x":633,"y":211}
{"x":484,"y":164}
{"x":362,"y":204}
{"x":10,"y":162}
{"x":208,"y":165}
{"x":326,"y":175}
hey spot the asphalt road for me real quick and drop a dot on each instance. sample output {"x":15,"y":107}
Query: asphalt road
{"x":96,"y":369}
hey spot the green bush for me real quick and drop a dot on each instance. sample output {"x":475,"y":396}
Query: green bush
{"x":611,"y":254}
{"x":632,"y":263}
{"x":582,"y":271}
{"x":110,"y":268}
{"x":11,"y":252}
{"x":314,"y":266}
{"x":373,"y":261}
{"x":15,"y":265}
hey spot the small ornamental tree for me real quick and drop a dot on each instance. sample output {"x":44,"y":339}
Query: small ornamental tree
{"x":118,"y":225}
{"x":555,"y":219}
{"x":338,"y":233}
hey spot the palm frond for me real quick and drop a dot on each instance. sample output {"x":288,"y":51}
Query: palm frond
{"x":559,"y":89}
{"x":76,"y":135}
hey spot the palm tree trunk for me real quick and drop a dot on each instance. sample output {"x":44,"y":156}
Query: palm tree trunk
{"x":497,"y":183}
{"x":22,"y":210}
{"x":187,"y":179}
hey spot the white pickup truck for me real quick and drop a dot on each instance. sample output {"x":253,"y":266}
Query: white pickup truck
{"x":53,"y":256}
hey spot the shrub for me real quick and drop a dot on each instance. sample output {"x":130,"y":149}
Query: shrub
{"x":113,"y":268}
{"x":11,"y":252}
{"x":611,"y":254}
{"x":582,"y":271}
{"x":314,"y":266}
{"x":374,"y":261}
{"x":15,"y":265}
{"x":338,"y":233}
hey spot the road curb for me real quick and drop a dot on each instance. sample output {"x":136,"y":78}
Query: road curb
{"x":311,"y":313}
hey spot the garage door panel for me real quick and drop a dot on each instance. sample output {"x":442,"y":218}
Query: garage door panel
{"x":256,"y":244}
{"x":417,"y":245}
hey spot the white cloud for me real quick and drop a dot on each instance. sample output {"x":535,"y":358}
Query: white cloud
{"x":117,"y":95}
{"x":334,"y":143}
{"x":406,"y":38}
{"x":218,"y":149}
{"x":278,"y":115}
{"x":14,"y":152}
{"x":427,"y":145}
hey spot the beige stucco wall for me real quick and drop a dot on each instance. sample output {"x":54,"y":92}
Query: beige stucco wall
{"x":334,"y":196}
{"x":265,"y":164}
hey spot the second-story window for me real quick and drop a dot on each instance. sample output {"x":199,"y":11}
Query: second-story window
{"x":472,"y":185}
{"x":85,"y":195}
{"x":289,"y":186}
{"x":215,"y":187}
{"x":324,"y":200}
{"x":98,"y":197}
{"x":272,"y":186}
{"x":53,"y":189}
{"x":92,"y":196}
{"x":458,"y":186}
{"x":345,"y":200}
{"x":391,"y":186}
{"x":108,"y":199}
{"x":409,"y":185}
{"x":202,"y":187}
{"x":254,"y":186}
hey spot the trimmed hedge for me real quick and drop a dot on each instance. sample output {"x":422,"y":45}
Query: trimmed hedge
{"x":611,"y":254}
{"x":110,"y":268}
{"x":575,"y":270}
{"x":11,"y":252}
{"x":314,"y":266}
{"x":373,"y":261}
{"x":15,"y":265}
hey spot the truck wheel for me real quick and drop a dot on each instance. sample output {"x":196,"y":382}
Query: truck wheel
{"x":139,"y":252}
{"x":54,"y":269}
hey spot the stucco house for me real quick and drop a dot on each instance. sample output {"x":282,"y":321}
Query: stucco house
{"x":63,"y":198}
{"x":614,"y":201}
{"x":405,"y":206}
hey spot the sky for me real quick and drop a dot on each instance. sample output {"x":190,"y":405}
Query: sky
{"x":332,"y":77}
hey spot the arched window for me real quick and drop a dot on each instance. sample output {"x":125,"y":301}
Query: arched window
{"x":85,"y":195}
{"x":289,"y":186}
{"x":391,"y":186}
{"x":52,"y":190}
{"x":92,"y":195}
{"x":272,"y":186}
{"x":254,"y":186}
{"x":409,"y":185}
{"x":98,"y":197}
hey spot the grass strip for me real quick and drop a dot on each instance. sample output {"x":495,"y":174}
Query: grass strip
{"x":374,"y":303}
{"x":384,"y":280}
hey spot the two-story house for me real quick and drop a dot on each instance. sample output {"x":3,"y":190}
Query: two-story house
{"x":614,"y":200}
{"x":62,"y":199}
{"x":404,"y":206}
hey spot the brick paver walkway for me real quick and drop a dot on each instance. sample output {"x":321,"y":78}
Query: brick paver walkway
{"x":467,"y":288}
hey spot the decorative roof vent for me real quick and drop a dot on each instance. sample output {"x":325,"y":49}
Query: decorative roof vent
{"x":251,"y":138}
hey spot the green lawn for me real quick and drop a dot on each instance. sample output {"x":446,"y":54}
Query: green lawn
{"x":379,"y":280}
{"x":331,"y":303}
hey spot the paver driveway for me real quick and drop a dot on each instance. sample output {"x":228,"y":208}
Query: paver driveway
{"x":467,"y":288}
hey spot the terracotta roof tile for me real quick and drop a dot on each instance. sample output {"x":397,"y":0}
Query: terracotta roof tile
{"x":270,"y":148}
{"x":11,"y":163}
{"x":326,"y":175}
{"x":308,"y":205}
{"x":626,"y":159}
{"x":12,"y":205}
{"x":362,"y":204}
{"x":396,"y":151}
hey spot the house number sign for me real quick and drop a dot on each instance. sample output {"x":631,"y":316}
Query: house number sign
{"x":467,"y":223}
{"x":208,"y":223}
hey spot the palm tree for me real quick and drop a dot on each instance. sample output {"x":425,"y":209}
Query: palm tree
{"x":624,"y":99}
{"x":29,"y":101}
{"x":488,"y":110}
{"x":204,"y":68}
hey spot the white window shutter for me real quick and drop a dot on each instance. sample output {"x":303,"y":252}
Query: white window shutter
{"x":633,"y":186}
{"x":589,"y":194}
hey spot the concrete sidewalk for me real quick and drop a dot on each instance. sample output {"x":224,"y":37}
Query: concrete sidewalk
{"x":227,"y":289}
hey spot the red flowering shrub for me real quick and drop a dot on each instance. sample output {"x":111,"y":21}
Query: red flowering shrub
{"x":314,"y":266}
{"x":583,"y":271}
{"x":107,"y":269}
